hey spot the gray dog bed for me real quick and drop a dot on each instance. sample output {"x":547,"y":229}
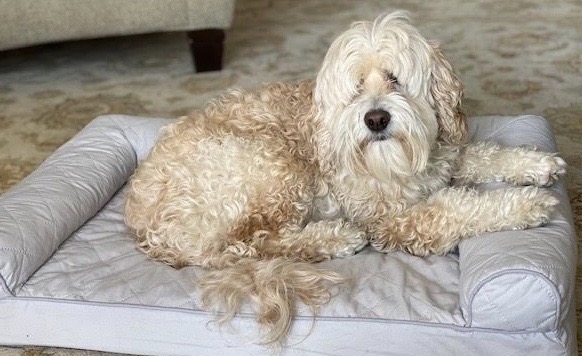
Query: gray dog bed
{"x":70,"y":274}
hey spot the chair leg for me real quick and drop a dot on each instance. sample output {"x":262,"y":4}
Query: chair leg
{"x":207,"y":47}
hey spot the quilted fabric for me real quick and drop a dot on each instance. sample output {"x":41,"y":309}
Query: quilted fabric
{"x":64,"y":192}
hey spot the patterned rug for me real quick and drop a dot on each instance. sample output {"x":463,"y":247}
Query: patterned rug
{"x":521,"y":56}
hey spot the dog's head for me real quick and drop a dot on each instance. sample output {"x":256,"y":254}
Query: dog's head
{"x":385,"y":96}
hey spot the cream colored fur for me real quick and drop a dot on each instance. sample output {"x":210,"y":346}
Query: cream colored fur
{"x":264,"y":182}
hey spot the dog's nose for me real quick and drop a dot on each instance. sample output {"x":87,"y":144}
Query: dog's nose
{"x":377,"y":120}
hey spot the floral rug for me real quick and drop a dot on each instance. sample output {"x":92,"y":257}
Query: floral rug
{"x":521,"y":56}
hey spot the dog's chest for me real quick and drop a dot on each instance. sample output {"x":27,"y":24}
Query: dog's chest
{"x":354,"y":199}
{"x":360,"y":199}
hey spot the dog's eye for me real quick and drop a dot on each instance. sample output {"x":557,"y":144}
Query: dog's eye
{"x":392,"y":78}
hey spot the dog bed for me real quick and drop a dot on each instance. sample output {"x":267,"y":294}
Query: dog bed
{"x":70,"y":275}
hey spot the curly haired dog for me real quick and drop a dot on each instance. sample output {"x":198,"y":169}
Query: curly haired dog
{"x":264,"y":182}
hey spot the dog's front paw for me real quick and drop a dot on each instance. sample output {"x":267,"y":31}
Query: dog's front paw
{"x":543,"y":172}
{"x":532,"y":207}
{"x":350,"y":241}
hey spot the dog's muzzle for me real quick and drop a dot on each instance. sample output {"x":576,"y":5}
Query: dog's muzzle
{"x":377,"y":120}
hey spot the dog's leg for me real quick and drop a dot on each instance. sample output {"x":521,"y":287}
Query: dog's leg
{"x":487,"y":162}
{"x":315,"y":242}
{"x":437,"y":225}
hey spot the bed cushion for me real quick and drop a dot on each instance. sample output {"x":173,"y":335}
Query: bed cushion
{"x":70,"y":274}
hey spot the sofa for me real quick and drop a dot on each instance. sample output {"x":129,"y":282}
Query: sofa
{"x":71,"y":276}
{"x":29,"y":22}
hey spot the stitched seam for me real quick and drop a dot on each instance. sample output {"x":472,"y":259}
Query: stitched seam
{"x":480,"y":285}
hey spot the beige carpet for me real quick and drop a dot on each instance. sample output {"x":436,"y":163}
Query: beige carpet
{"x":520,"y":56}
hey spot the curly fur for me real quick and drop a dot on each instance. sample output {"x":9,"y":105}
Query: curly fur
{"x":266,"y":181}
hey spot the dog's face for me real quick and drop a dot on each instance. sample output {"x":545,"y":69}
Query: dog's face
{"x":385,"y":96}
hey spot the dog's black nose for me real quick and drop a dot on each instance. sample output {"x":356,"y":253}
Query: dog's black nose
{"x":377,"y":120}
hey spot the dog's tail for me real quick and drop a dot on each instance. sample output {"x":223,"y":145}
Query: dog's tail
{"x":272,"y":286}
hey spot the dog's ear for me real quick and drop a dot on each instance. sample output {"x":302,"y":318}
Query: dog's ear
{"x":447,"y":91}
{"x":322,"y":141}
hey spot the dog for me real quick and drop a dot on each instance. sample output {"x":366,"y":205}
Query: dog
{"x":264,"y":182}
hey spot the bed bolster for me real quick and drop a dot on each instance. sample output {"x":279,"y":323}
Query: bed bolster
{"x":520,"y":280}
{"x":67,"y":189}
{"x":141,"y":132}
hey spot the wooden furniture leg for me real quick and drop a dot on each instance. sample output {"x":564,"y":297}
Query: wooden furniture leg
{"x":207,"y":48}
